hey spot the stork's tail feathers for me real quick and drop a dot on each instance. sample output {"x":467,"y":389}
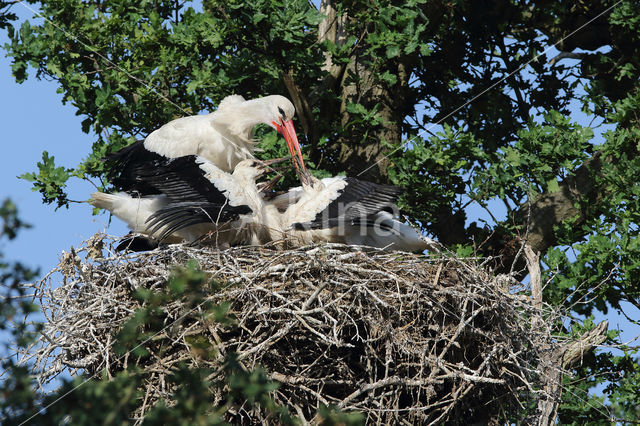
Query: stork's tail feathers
{"x":132,"y":210}
{"x":105,"y":201}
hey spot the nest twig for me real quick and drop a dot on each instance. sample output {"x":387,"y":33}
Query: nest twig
{"x":396,"y":336}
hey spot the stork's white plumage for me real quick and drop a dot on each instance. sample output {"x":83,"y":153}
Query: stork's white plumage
{"x":240,"y":188}
{"x":223,"y":137}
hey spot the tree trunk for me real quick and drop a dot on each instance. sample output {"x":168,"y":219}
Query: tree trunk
{"x":359,"y":148}
{"x":556,"y":362}
{"x":361,"y":151}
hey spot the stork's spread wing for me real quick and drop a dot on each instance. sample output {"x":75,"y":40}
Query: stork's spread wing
{"x":192,"y":197}
{"x":359,"y":203}
{"x":177,"y":216}
{"x":182,"y":179}
{"x":125,"y":165}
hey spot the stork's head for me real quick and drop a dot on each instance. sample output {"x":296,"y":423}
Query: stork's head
{"x":248,"y":171}
{"x":281,"y":112}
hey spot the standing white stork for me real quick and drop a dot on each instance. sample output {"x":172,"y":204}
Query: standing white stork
{"x":223,"y":137}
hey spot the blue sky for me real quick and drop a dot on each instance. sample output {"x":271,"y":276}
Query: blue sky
{"x":33,"y":119}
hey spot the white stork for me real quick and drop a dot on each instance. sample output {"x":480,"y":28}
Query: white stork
{"x":339,"y":209}
{"x":197,"y":200}
{"x":348,"y":211}
{"x":223,"y":137}
{"x":188,"y":197}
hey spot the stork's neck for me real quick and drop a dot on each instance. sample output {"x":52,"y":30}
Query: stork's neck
{"x":245,"y":182}
{"x":242,"y":118}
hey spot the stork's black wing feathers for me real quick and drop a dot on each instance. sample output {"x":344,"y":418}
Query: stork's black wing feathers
{"x":126,"y":165}
{"x":135,"y":169}
{"x":177,"y":216}
{"x":182,"y":180}
{"x":358,"y":203}
{"x":192,"y":198}
{"x":371,"y":221}
{"x":136,"y":243}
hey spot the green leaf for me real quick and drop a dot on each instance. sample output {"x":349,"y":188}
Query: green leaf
{"x":393,"y":51}
{"x":552,"y":185}
{"x":389,"y":78}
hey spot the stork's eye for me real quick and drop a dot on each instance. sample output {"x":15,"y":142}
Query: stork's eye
{"x":281,"y":111}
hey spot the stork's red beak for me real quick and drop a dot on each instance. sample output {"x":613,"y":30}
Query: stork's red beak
{"x":289,"y":132}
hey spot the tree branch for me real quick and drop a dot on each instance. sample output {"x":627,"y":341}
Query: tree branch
{"x":565,"y":357}
{"x":533,"y":265}
{"x":546,"y":211}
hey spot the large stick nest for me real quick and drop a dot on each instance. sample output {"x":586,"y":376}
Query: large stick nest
{"x":395,"y":336}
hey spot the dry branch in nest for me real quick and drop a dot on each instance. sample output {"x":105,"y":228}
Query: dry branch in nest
{"x":396,"y":336}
